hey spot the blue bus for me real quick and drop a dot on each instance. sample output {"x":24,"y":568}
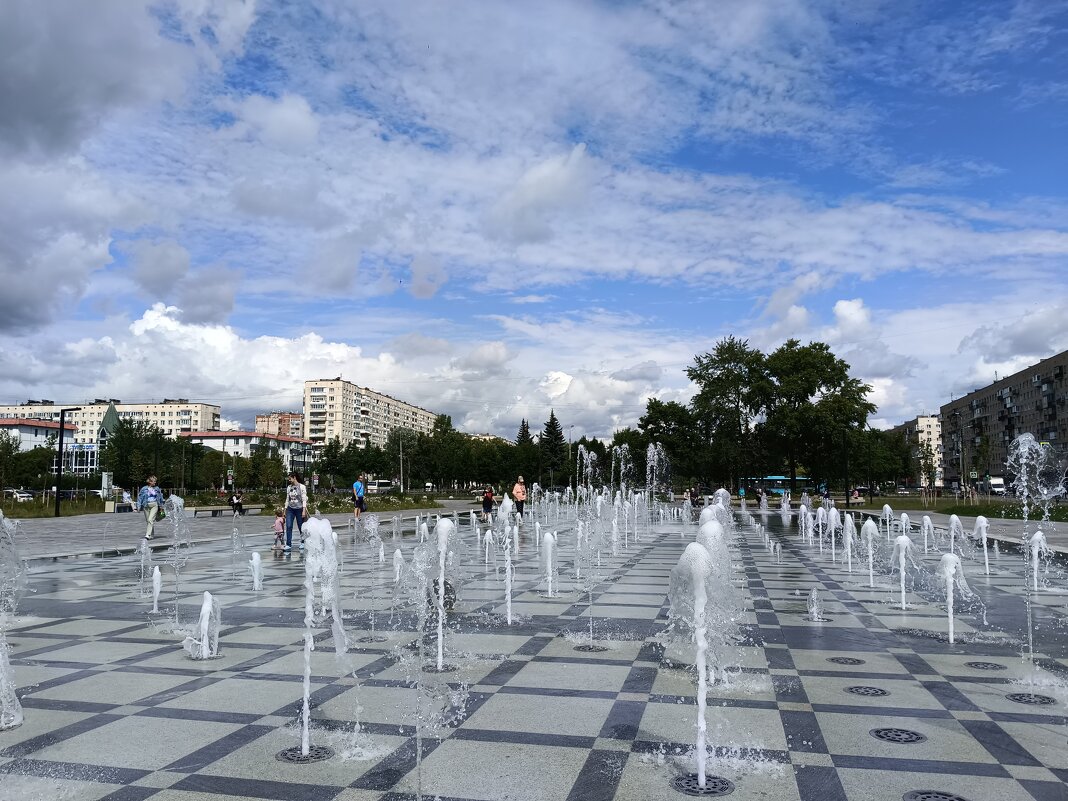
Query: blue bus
{"x":774,"y":485}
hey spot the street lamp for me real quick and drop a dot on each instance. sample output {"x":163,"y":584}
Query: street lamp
{"x":59,"y":445}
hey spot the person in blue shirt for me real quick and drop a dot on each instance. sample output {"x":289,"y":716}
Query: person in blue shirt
{"x":358,"y":490}
{"x":150,"y":501}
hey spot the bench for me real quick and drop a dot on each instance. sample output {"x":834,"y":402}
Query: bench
{"x":217,"y":511}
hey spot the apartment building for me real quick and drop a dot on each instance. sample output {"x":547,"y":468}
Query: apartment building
{"x":924,"y":431}
{"x":338,"y":408}
{"x":173,"y":416}
{"x":287,"y":424}
{"x":295,"y":452}
{"x":979,"y":427}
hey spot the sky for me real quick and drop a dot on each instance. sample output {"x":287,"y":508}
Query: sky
{"x":494,"y":209}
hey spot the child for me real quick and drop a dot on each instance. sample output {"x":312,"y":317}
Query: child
{"x":279,"y":530}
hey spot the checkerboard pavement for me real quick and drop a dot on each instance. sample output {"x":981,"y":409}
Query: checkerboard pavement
{"x":116,"y":710}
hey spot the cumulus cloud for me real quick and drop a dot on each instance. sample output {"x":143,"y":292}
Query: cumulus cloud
{"x":287,"y":122}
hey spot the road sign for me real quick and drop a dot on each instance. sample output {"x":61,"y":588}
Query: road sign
{"x":229,"y":475}
{"x":315,"y":479}
{"x":973,"y":474}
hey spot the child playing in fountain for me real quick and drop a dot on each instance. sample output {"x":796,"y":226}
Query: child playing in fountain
{"x":279,"y":530}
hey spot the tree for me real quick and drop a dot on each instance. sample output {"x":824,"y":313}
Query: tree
{"x":9,"y":449}
{"x":811,"y":404}
{"x":673,"y":426}
{"x":525,"y":457}
{"x":553,"y":448}
{"x":732,"y":388}
{"x":523,"y":437}
{"x":636,"y":445}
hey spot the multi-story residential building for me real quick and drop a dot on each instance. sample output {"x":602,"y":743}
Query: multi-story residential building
{"x":339,"y":408}
{"x":979,"y":427}
{"x":295,"y":452}
{"x":923,"y":435}
{"x":173,"y":416}
{"x":289,"y":424}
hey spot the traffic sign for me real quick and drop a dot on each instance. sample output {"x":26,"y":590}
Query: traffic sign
{"x":315,"y":479}
{"x":973,"y":474}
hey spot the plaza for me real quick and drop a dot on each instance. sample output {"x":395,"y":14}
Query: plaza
{"x":871,"y":702}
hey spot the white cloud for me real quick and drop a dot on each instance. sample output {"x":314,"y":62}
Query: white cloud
{"x":287,"y":123}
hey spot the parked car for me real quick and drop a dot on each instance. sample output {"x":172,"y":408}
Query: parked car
{"x":17,"y":495}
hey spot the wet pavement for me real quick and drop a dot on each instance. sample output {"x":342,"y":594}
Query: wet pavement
{"x":873,"y":703}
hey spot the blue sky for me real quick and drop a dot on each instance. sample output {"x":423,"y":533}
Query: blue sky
{"x":491,"y":209}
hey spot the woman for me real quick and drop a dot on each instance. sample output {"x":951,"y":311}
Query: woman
{"x":296,"y":509}
{"x":150,"y":501}
{"x":235,"y":503}
{"x":487,"y":504}
{"x":519,"y":495}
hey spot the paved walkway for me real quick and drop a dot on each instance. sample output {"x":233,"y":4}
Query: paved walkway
{"x":871,"y":704}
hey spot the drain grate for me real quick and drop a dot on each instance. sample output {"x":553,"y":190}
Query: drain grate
{"x":900,"y":736}
{"x":870,"y":692}
{"x":316,"y":753}
{"x":931,"y":795}
{"x":985,"y":666}
{"x":714,"y":785}
{"x":845,"y":660}
{"x":1031,"y":698}
{"x":434,"y":668}
{"x":595,"y":649}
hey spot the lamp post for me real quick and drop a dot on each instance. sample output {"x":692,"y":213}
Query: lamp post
{"x":59,"y":445}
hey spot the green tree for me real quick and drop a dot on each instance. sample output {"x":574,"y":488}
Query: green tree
{"x":552,"y":447}
{"x":673,"y":426}
{"x":811,"y":404}
{"x":732,"y":389}
{"x":525,"y":456}
{"x":9,"y":450}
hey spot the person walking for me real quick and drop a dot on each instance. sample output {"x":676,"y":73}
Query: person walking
{"x":487,"y":504}
{"x":519,"y":495}
{"x":358,"y":491}
{"x":296,"y":509}
{"x":150,"y":501}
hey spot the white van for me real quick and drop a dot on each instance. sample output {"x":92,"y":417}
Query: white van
{"x":379,"y":486}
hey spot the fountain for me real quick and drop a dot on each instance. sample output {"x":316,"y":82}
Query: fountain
{"x":815,"y":607}
{"x":952,"y":572}
{"x":956,"y":531}
{"x":12,"y":586}
{"x":887,"y":519}
{"x":902,"y":556}
{"x":157,"y":585}
{"x":868,"y":532}
{"x":443,"y":531}
{"x":203,"y":643}
{"x":144,"y":553}
{"x":927,"y":527}
{"x":849,"y":539}
{"x":979,"y":532}
{"x":255,"y":567}
{"x":688,"y":594}
{"x":548,"y":545}
{"x":1037,"y":548}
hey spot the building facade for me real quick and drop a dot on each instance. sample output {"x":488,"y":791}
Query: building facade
{"x":289,"y":424}
{"x":36,"y":433}
{"x":339,"y":408}
{"x":173,"y":416}
{"x":295,"y":452}
{"x":923,"y":435}
{"x":980,"y":427}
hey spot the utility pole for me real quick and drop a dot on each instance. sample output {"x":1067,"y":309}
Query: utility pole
{"x":59,"y":462}
{"x":400,"y":440}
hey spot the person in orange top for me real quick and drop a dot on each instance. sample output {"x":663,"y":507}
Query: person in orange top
{"x":519,"y":495}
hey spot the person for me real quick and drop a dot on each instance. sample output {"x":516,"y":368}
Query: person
{"x":279,"y":529}
{"x":358,"y":490}
{"x":235,"y":503}
{"x":487,"y":504}
{"x":296,"y":509}
{"x":694,"y":497}
{"x":519,"y":495}
{"x":150,"y":501}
